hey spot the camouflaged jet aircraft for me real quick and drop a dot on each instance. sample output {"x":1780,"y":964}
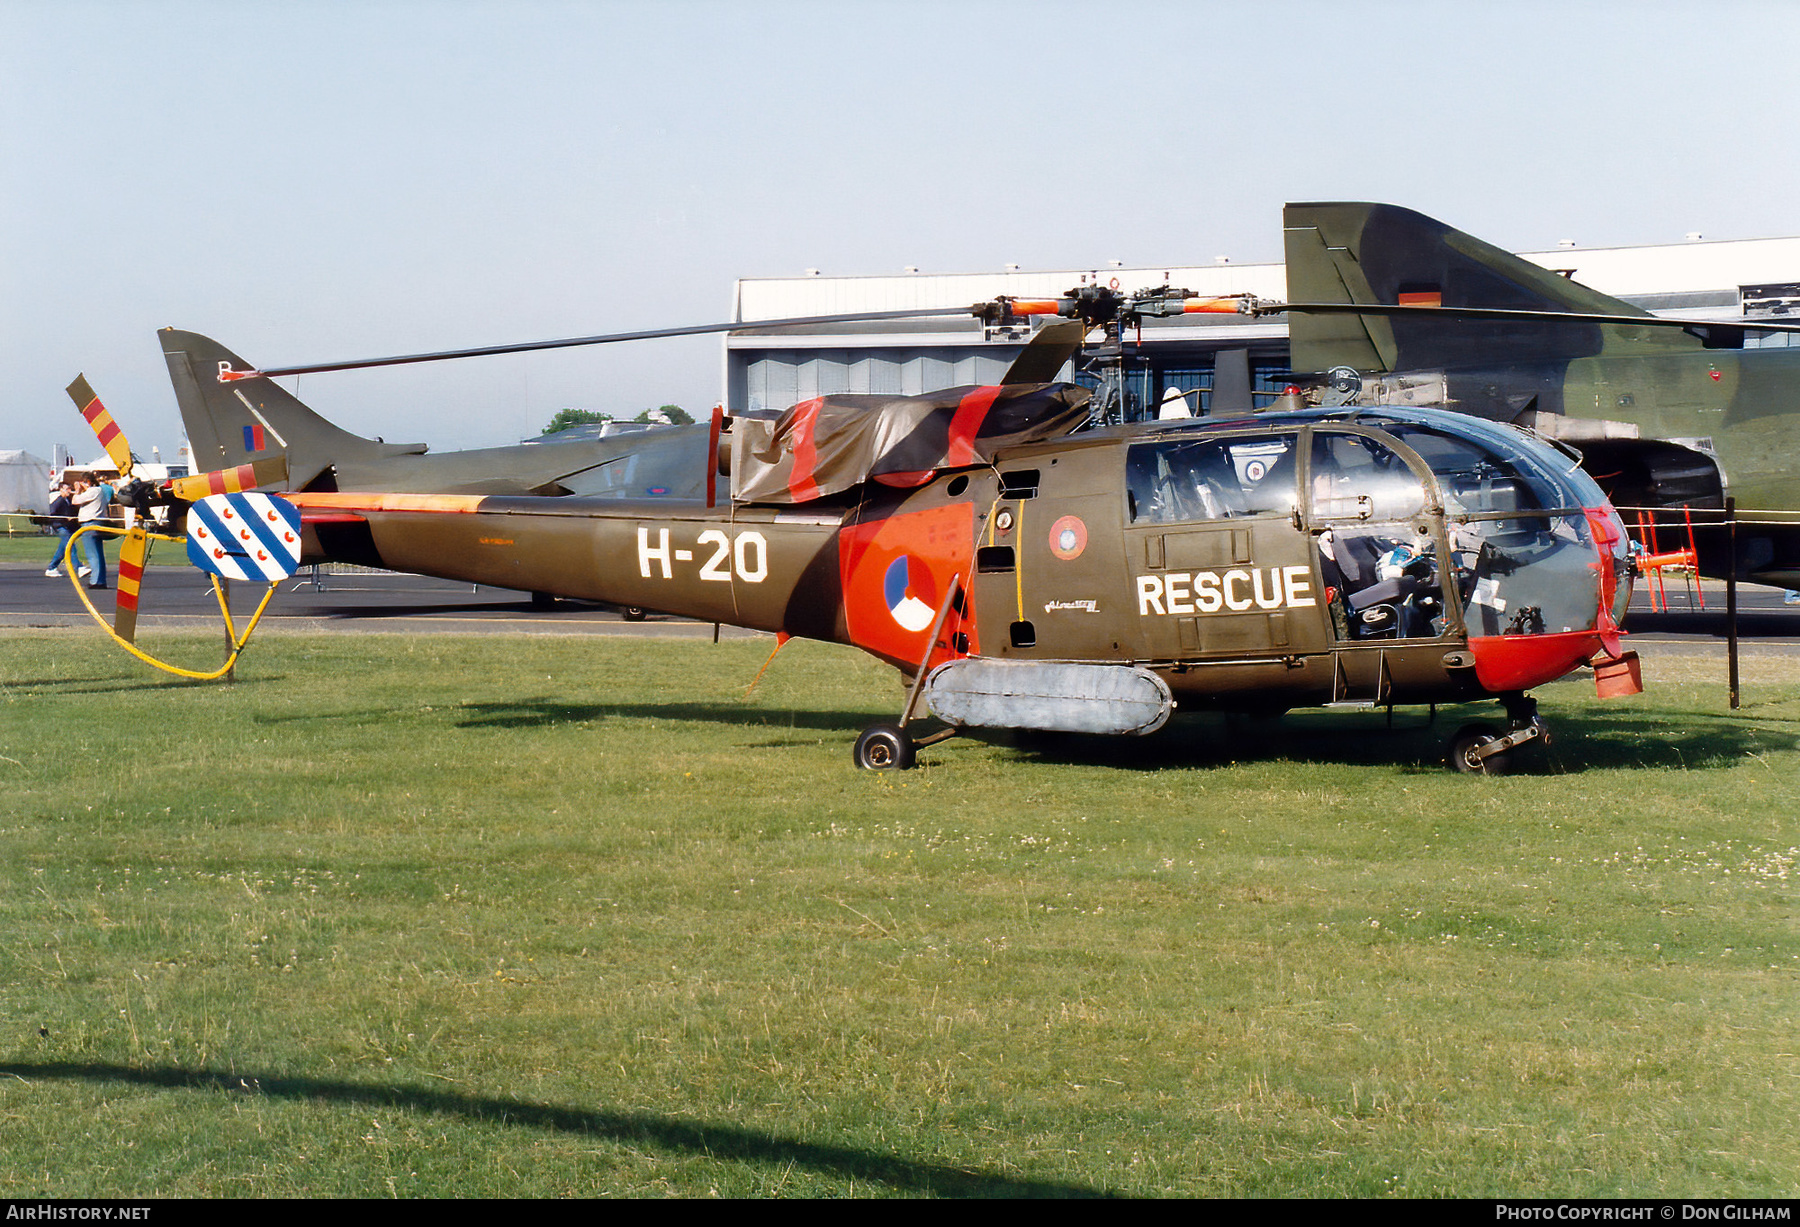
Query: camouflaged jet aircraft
{"x":1026,"y":573}
{"x":1672,"y":416}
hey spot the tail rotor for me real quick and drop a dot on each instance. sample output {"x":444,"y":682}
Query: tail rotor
{"x":134,"y":546}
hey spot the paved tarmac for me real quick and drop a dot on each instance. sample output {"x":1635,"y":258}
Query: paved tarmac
{"x":1690,"y":618}
{"x":351,"y":599}
{"x":332,"y":600}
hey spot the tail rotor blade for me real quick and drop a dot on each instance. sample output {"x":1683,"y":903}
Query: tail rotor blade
{"x":269,"y":471}
{"x":118,"y":450}
{"x":131,"y":577}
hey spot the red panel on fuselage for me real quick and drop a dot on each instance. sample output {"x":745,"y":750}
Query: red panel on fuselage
{"x":895,"y":572}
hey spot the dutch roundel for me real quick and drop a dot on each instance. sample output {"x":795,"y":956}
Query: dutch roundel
{"x":911,"y":593}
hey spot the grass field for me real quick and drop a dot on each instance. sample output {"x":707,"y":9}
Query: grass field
{"x":36,"y":547}
{"x":526,"y":916}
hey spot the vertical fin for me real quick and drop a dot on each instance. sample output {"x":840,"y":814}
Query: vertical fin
{"x":1381,"y":254}
{"x":1317,"y":273}
{"x":246,"y":420}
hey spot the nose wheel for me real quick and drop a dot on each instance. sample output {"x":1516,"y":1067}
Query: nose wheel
{"x":1482,"y":749}
{"x":1476,"y":750}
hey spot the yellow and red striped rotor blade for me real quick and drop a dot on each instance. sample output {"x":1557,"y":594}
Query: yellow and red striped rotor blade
{"x":132,"y":552}
{"x":268,"y":471}
{"x":101,"y":423}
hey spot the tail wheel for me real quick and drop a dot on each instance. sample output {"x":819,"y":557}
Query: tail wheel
{"x":1465,"y":750}
{"x":884,"y":747}
{"x":634,"y":613}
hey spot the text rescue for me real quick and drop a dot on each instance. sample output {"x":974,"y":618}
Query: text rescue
{"x":1234,"y":591}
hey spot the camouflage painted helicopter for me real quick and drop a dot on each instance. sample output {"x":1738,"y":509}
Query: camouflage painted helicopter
{"x":1673,"y":416}
{"x":1024,"y":573}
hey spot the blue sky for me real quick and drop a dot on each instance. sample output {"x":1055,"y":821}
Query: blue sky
{"x":318,"y":180}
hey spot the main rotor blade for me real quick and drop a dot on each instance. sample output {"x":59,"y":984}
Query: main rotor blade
{"x":1504,"y":313}
{"x":605,"y":339}
{"x":118,"y":449}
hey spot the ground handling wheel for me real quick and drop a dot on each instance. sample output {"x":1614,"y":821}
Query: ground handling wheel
{"x":883,"y":747}
{"x":1465,"y":751}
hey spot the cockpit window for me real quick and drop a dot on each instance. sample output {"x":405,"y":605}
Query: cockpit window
{"x":1211,"y":479}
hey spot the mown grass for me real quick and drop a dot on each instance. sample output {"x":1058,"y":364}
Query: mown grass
{"x":28,"y":547}
{"x":498,"y":917}
{"x":36,"y":547}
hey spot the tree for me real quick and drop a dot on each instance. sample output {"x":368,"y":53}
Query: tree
{"x":667,"y":415}
{"x":566,"y":418}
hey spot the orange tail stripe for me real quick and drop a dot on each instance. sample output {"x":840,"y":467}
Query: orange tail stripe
{"x":351,"y":502}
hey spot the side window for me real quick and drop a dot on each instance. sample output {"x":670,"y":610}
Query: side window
{"x":1380,"y":571}
{"x":1210,"y":479}
{"x":1357,"y":478}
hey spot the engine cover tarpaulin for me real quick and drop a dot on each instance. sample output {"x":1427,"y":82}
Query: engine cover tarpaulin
{"x":829,"y":444}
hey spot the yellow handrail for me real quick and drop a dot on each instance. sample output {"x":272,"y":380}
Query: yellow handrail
{"x":237,"y":642}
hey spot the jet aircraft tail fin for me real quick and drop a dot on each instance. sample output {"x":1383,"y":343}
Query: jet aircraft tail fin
{"x":1384,"y":255}
{"x":254,"y":419}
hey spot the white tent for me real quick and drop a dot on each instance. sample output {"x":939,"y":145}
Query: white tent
{"x":24,"y":482}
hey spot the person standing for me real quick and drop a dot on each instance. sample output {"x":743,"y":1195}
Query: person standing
{"x":61,"y":519}
{"x":90,"y":506}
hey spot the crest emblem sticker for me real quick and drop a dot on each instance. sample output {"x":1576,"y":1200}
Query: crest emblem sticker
{"x":1068,"y":537}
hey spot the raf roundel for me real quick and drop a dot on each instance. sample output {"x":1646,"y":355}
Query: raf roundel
{"x":244,"y":536}
{"x":911,"y":593}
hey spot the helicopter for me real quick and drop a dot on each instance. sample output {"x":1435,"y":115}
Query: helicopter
{"x":1026,"y":571}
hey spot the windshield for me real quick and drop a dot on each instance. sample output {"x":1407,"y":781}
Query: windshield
{"x":1522,"y":540}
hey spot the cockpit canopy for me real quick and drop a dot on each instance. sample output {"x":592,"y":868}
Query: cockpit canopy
{"x":1504,"y":524}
